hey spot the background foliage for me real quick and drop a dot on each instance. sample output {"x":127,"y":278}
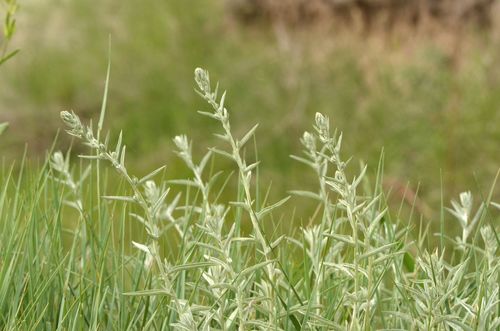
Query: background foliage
{"x":427,"y":94}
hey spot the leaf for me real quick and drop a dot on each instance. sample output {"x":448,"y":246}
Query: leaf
{"x":184,"y":182}
{"x":239,"y":204}
{"x":188,"y":266}
{"x":496,"y":205}
{"x":270,"y":208}
{"x":278,"y":241}
{"x":105,"y":94}
{"x":204,"y":161}
{"x":409,"y":262}
{"x":359,"y":178}
{"x":251,"y":166}
{"x":377,"y":250}
{"x":375,"y":221}
{"x":231,"y":319}
{"x":147,"y":293}
{"x":206,"y":113}
{"x":249,"y":134}
{"x":122,"y":157}
{"x":223,"y":137}
{"x":118,"y":198}
{"x":8,"y":56}
{"x":387,"y":256}
{"x":150,"y":175}
{"x":302,"y":160}
{"x":138,"y":218}
{"x":158,"y":203}
{"x":221,"y":102}
{"x":225,"y":154}
{"x":119,"y":143}
{"x":306,"y":194}
{"x":3,"y":127}
{"x":343,"y":238}
{"x":254,"y":267}
{"x":90,"y":157}
{"x":142,"y":247}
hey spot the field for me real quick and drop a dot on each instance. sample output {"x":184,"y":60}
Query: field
{"x":268,"y":226}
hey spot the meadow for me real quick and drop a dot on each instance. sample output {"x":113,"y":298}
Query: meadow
{"x":256,"y":216}
{"x":72,"y":259}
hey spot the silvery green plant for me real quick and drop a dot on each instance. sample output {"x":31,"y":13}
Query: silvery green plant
{"x":221,"y":278}
{"x":435,"y":291}
{"x":360,"y":270}
{"x":463,"y":212}
{"x":220,"y":113}
{"x":60,"y":166}
{"x":146,"y":193}
{"x":61,"y":173}
{"x":150,"y":197}
{"x":461,"y":293}
{"x":343,"y":205}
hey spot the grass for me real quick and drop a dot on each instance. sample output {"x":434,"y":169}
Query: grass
{"x":79,"y":251}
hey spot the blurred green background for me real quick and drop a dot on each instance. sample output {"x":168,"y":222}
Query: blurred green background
{"x":430,"y":99}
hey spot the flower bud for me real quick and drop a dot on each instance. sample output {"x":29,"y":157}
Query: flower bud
{"x":57,"y":162}
{"x":73,"y":122}
{"x":321,"y":121}
{"x":309,"y":141}
{"x":202,"y":79}
{"x":151,"y":191}
{"x":323,"y":127}
{"x":181,"y":142}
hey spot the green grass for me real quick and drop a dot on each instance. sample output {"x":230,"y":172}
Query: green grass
{"x":95,"y":246}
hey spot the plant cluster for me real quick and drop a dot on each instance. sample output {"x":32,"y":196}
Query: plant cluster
{"x":355,"y":266}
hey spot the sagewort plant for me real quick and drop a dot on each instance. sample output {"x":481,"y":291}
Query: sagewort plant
{"x":356,"y":267}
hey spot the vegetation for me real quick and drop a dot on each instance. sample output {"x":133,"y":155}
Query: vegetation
{"x":430,"y":101}
{"x":80,"y":253}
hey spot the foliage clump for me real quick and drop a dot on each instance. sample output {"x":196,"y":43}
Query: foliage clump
{"x":355,"y":266}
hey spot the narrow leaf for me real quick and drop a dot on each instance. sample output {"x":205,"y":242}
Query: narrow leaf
{"x":122,"y":156}
{"x":141,"y":247}
{"x":377,"y":250}
{"x":206,"y":113}
{"x":188,"y":266}
{"x":254,"y":268}
{"x":147,"y":293}
{"x":302,"y":160}
{"x":204,"y":161}
{"x":184,"y":182}
{"x":306,"y":194}
{"x":268,"y":209}
{"x":118,"y":198}
{"x":105,"y":96}
{"x":249,"y":135}
{"x":225,"y":154}
{"x":3,"y":127}
{"x":8,"y":56}
{"x":150,"y":175}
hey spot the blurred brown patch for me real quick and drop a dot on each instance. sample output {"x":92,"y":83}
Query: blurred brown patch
{"x":366,"y":15}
